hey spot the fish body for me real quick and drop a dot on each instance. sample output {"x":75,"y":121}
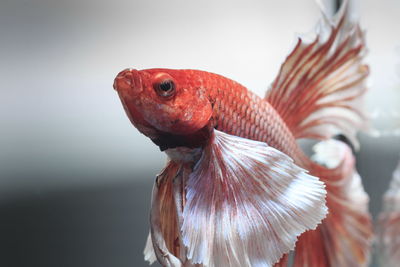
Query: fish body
{"x":237,"y":189}
{"x":228,"y":107}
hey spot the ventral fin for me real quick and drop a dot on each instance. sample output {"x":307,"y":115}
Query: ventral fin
{"x":318,"y":91}
{"x":246,"y":204}
{"x":164,"y":221}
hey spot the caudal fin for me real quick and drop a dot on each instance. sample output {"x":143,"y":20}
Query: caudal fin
{"x":319,"y":89}
{"x":345,"y":236}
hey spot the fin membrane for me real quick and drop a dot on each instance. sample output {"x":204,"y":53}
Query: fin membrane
{"x":345,"y":236}
{"x":318,"y":91}
{"x":161,"y":243}
{"x":389,"y":223}
{"x":246,"y":204}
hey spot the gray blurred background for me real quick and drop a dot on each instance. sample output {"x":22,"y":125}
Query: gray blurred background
{"x":75,"y":176}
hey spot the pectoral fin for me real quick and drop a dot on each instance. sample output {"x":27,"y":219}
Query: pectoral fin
{"x":246,"y":204}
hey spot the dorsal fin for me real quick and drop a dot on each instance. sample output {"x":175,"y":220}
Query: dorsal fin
{"x":319,"y":87}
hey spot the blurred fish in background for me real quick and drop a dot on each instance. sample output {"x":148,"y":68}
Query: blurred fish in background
{"x":388,"y":222}
{"x":388,"y":226}
{"x":386,"y":125}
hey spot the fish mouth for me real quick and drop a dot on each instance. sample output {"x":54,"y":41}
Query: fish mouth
{"x":127,"y":79}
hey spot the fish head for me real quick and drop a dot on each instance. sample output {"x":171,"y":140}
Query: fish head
{"x":164,"y":101}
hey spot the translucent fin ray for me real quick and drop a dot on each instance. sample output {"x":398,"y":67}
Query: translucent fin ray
{"x":246,"y":204}
{"x":319,"y":89}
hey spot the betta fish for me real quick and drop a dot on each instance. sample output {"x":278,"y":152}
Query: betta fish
{"x":237,"y":189}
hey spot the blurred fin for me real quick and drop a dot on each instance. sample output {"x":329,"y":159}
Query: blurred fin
{"x":149,"y":254}
{"x":389,"y":223}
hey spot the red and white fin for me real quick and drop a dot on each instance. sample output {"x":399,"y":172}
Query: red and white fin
{"x":149,"y":254}
{"x":389,"y":223}
{"x":162,"y":243}
{"x":345,"y":236}
{"x":247,"y":203}
{"x":318,"y":91}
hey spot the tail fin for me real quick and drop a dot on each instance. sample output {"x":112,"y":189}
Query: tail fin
{"x":389,"y":223}
{"x":344,"y":238}
{"x":319,"y":87}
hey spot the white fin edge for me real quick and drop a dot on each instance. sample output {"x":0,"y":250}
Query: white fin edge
{"x":149,"y":253}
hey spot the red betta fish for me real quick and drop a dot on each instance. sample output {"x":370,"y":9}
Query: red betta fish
{"x":237,"y":189}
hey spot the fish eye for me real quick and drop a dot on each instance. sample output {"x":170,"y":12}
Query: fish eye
{"x":165,"y":88}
